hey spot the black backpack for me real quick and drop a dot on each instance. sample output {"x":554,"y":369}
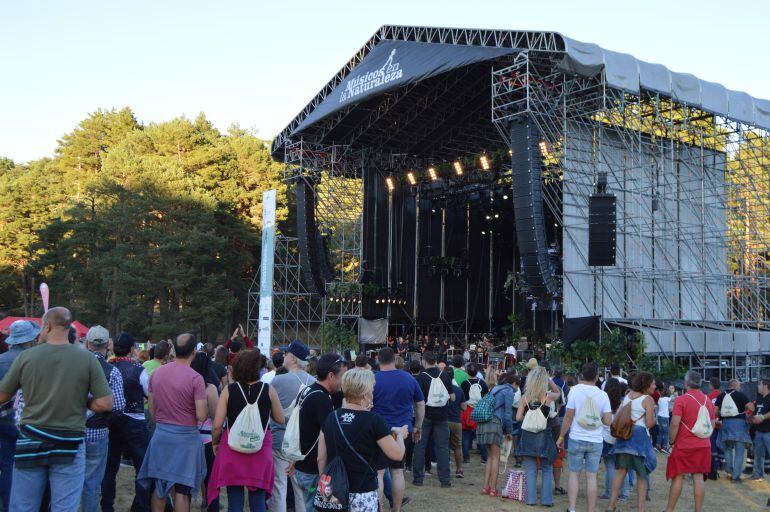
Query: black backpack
{"x":332,"y":492}
{"x":101,"y":419}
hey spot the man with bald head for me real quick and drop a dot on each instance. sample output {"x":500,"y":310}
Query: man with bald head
{"x":175,"y":463}
{"x":60,"y":383}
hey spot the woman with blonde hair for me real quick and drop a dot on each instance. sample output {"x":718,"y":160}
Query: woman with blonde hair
{"x":360,"y":438}
{"x":536,"y":442}
{"x":490,"y":376}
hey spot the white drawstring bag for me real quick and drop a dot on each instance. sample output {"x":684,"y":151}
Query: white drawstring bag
{"x":246,"y":434}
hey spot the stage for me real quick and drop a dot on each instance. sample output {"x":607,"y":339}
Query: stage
{"x":449,"y":180}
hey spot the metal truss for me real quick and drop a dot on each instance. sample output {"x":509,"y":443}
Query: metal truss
{"x":335,"y":174}
{"x":693,"y":240}
{"x":297,"y":313}
{"x":525,"y":40}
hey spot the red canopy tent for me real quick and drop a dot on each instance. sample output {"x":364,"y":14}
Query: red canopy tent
{"x":6,"y":322}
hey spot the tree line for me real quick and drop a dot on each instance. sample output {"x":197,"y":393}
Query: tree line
{"x":147,"y":228}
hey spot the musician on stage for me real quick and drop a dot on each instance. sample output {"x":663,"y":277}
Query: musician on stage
{"x":411,"y":346}
{"x":401,"y":346}
{"x":392,"y":344}
{"x":510,"y":355}
{"x":442,"y":348}
{"x":430,"y":345}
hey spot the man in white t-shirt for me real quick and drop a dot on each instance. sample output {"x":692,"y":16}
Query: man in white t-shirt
{"x":584,"y":450}
{"x":277,"y":360}
{"x":615,"y":374}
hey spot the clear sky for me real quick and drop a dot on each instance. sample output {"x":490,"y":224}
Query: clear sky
{"x":258,"y":62}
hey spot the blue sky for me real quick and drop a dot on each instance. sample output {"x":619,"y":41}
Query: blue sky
{"x":257,"y":63}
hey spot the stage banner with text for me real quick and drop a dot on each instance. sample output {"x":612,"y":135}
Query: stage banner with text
{"x":265,"y":334}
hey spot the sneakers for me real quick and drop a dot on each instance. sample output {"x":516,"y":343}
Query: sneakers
{"x":459,"y":473}
{"x":604,"y":496}
{"x":406,"y":501}
{"x":755,"y":478}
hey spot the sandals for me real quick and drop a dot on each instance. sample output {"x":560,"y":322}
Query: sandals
{"x":493,"y":493}
{"x":485,"y":490}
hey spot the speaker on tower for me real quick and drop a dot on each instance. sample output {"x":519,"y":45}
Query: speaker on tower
{"x":601,"y":230}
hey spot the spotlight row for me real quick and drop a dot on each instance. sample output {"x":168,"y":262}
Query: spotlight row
{"x":434,"y":172}
{"x":390,"y":300}
{"x":343,"y":299}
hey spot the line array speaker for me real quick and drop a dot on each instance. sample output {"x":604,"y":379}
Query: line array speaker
{"x":528,"y":208}
{"x":312,"y":246}
{"x":601,"y":230}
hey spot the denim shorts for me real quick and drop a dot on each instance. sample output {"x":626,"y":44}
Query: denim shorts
{"x":584,"y":455}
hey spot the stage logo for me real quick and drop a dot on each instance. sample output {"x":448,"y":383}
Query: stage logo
{"x":389,"y":71}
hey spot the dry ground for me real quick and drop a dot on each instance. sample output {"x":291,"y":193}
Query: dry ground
{"x":465,"y":494}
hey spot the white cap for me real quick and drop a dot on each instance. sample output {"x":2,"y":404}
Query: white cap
{"x":98,"y":335}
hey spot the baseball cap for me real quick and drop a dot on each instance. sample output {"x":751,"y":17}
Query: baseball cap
{"x":98,"y":335}
{"x":124,"y":340}
{"x":22,"y":331}
{"x":327,"y":362}
{"x":297,"y":349}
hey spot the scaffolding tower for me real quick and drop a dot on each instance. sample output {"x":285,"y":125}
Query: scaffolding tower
{"x":692,"y":192}
{"x":334,"y":174}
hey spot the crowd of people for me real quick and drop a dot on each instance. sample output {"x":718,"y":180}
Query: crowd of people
{"x":310,"y":431}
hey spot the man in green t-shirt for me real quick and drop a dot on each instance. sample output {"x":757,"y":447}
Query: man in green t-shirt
{"x":460,"y":374}
{"x":161,"y":350}
{"x":60,"y":382}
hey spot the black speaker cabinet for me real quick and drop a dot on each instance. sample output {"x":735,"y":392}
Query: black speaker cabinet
{"x":601,"y":230}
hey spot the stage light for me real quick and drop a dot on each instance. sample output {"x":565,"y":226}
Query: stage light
{"x":433,"y":210}
{"x":377,"y":301}
{"x":390,"y":183}
{"x":432,"y":173}
{"x":543,"y":149}
{"x":497,"y":215}
{"x":489,"y":218}
{"x":458,"y":166}
{"x":412,"y":179}
{"x":510,"y":152}
{"x":505,"y":197}
{"x":483,"y":232}
{"x":485,"y":163}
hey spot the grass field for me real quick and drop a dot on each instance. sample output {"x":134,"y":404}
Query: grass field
{"x":465,"y":494}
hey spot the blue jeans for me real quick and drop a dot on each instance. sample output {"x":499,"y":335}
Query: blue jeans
{"x":530,"y":471}
{"x":131,"y":436}
{"x":235,"y":501}
{"x":308,"y":483}
{"x":761,"y":447}
{"x":583,"y":455}
{"x":663,"y":424}
{"x":734,"y":458}
{"x":387,"y":485}
{"x":66,"y":481}
{"x":8,"y":436}
{"x":96,"y":459}
{"x":609,"y":477}
{"x":468,"y":437}
{"x":438,"y":433}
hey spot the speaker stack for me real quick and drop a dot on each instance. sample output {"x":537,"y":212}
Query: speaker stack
{"x":528,"y":207}
{"x":312,"y":247}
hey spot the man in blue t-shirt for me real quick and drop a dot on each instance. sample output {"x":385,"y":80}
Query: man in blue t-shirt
{"x":398,"y":400}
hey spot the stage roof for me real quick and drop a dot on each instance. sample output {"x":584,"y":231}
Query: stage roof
{"x":403,"y":58}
